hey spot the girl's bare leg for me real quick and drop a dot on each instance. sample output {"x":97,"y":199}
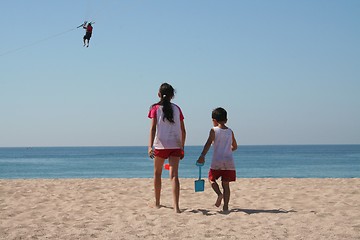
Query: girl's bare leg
{"x":216,"y":189}
{"x":173,"y":171}
{"x":226,"y":188}
{"x":158,"y":165}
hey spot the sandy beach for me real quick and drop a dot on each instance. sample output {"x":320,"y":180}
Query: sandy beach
{"x":118,"y":209}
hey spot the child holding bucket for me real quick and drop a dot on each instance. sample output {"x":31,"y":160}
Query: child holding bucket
{"x":167,"y":140}
{"x":222,"y":165}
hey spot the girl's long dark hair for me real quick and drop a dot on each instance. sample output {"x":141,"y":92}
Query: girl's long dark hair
{"x":166,"y":92}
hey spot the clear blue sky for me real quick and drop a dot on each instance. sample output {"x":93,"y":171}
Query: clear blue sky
{"x":288,"y":72}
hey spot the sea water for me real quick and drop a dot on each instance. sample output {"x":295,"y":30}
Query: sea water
{"x":280,"y":161}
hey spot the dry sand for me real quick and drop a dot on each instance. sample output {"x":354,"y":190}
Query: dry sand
{"x":118,"y":209}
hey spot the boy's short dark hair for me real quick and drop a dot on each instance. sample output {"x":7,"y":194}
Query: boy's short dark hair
{"x":219,"y":114}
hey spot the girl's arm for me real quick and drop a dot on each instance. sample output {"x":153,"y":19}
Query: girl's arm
{"x":207,"y":146}
{"x":152,"y":137}
{"x":183,"y":134}
{"x":234,"y":143}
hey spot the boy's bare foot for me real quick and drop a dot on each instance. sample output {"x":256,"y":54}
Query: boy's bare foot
{"x":218,"y":200}
{"x":177,"y":210}
{"x":225,"y":212}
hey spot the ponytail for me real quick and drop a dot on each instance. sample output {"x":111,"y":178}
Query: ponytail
{"x":167,"y":108}
{"x":166,"y":93}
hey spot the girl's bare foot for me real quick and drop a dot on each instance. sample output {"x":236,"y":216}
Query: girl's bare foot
{"x":154,"y":205}
{"x":218,"y":200}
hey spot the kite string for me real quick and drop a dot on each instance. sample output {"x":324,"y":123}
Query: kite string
{"x":36,"y":42}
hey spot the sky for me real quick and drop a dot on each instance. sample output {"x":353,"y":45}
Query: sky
{"x":287,"y":72}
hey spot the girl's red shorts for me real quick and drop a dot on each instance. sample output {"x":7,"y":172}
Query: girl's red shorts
{"x":226,"y":175}
{"x":166,"y":153}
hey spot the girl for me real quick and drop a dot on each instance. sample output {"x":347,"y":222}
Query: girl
{"x":167,"y":140}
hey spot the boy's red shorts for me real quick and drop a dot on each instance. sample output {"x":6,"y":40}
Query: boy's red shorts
{"x":166,"y":153}
{"x":226,"y":175}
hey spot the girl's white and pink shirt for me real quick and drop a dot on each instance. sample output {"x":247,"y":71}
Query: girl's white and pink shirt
{"x":168,"y":135}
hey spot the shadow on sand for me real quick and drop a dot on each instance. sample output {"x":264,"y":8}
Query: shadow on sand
{"x":254,"y":211}
{"x":247,"y":211}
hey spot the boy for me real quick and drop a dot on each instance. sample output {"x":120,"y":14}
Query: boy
{"x":222,"y":164}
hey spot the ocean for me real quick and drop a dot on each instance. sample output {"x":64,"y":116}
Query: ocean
{"x":278,"y":161}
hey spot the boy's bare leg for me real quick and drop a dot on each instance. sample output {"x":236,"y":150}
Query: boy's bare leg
{"x":173,"y":171}
{"x":158,"y":164}
{"x":216,"y":189}
{"x":226,"y":187}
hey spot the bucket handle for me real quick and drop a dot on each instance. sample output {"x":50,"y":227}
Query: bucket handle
{"x":199,"y":165}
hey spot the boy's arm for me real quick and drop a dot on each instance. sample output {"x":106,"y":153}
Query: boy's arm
{"x":234,"y":143}
{"x":152,"y":137}
{"x":207,"y":146}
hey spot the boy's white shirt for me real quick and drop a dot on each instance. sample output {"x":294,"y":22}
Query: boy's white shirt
{"x":222,"y":156}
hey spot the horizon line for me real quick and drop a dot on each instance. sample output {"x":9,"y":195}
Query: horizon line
{"x":239,"y":145}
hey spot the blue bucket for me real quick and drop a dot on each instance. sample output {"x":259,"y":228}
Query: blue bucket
{"x":200,"y":183}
